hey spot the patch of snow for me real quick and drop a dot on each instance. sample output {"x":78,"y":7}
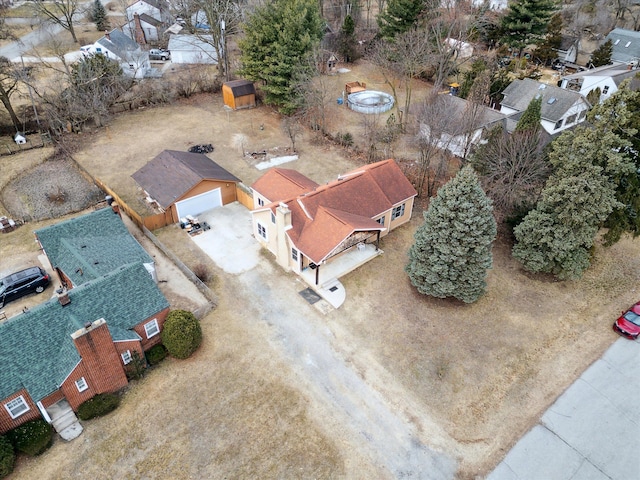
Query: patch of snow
{"x":276,"y":161}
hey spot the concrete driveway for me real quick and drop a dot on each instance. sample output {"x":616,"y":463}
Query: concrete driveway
{"x":229,"y":242}
{"x":591,"y":432}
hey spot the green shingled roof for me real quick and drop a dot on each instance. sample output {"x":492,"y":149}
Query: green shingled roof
{"x":36,"y":349}
{"x":91,"y":245}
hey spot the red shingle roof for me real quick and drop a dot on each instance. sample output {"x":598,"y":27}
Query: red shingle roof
{"x":282,"y":184}
{"x":323,"y":216}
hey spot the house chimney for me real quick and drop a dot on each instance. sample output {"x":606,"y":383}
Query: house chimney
{"x":106,"y":35}
{"x":100,"y":359}
{"x":63,"y":298}
{"x":138,"y":31}
{"x":283,"y":223}
{"x":116,"y":208}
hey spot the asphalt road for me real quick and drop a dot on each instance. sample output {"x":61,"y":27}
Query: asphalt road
{"x":40,"y":34}
{"x":592,"y":432}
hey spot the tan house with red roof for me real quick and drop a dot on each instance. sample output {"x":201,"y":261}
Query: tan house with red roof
{"x":322,"y":232}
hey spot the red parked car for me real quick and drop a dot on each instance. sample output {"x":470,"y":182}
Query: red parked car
{"x":628,"y":325}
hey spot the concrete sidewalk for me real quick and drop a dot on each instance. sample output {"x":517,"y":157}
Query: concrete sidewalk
{"x":592,"y":432}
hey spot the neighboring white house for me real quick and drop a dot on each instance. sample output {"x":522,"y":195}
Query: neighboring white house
{"x":497,"y":5}
{"x":461,"y":49}
{"x":191,"y":49}
{"x":117,"y":46}
{"x":144,"y":29}
{"x":561,"y":108}
{"x":569,"y":48}
{"x":458,"y":124}
{"x":158,"y":9}
{"x":607,"y":78}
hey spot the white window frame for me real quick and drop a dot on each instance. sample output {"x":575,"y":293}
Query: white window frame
{"x":17,"y":402}
{"x":397,"y":212}
{"x":262,"y":230}
{"x":273,"y":217}
{"x":153,"y":326}
{"x":260,"y":202}
{"x":294,"y":254}
{"x":81,"y":384}
{"x":126,"y":357}
{"x":381,"y":221}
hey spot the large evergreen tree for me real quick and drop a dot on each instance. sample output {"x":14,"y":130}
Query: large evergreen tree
{"x":602,"y":55}
{"x":547,"y":50}
{"x":624,"y":107}
{"x":590,"y":163}
{"x":526,"y":22}
{"x":530,"y":119}
{"x":280,"y":37}
{"x":99,"y":16}
{"x":400,"y":16}
{"x":452,"y":249}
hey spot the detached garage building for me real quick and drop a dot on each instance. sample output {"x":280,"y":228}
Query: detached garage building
{"x":183,"y":183}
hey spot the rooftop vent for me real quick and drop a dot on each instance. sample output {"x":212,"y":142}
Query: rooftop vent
{"x":552,"y":100}
{"x":542,"y":86}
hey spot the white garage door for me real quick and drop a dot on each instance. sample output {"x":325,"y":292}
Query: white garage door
{"x":199,"y":203}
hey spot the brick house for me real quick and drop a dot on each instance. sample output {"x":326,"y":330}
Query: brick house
{"x":322,"y":232}
{"x":80,"y":343}
{"x":73,"y":347}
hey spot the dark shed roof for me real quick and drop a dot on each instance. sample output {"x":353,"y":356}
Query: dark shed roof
{"x":171,"y":174}
{"x":240,"y":88}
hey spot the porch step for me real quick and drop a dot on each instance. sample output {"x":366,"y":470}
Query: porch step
{"x":72,"y":431}
{"x":63,"y":421}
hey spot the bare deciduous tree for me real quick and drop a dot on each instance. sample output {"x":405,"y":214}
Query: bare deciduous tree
{"x":60,"y":12}
{"x":221,"y":19}
{"x":512,"y":167}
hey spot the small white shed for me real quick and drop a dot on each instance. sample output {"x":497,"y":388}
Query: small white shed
{"x":192,"y":49}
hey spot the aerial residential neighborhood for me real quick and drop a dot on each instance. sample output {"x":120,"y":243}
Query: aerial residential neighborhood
{"x":294,"y":239}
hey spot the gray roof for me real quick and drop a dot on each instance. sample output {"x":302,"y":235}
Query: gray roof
{"x":119,"y":44}
{"x":171,"y":174}
{"x":458,"y":107}
{"x":36,"y":349}
{"x":150,"y":20}
{"x":626,"y":45}
{"x":555,"y":100}
{"x":91,"y":245}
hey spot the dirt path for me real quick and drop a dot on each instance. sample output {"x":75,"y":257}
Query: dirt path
{"x":339,"y":391}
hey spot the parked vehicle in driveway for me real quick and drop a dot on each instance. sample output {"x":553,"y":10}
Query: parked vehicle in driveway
{"x":628,"y":325}
{"x":24,"y":282}
{"x":159,"y":54}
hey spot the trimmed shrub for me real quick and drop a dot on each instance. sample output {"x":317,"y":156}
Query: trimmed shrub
{"x":181,"y":334}
{"x":32,"y":438}
{"x":98,"y":406}
{"x":7,"y":457}
{"x":156,"y":354}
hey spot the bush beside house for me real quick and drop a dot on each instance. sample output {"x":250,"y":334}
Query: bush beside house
{"x":181,"y":334}
{"x":98,"y":406}
{"x":7,"y":457}
{"x":156,"y":354}
{"x":32,"y":438}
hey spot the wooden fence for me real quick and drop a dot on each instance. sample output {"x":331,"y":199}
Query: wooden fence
{"x":245,"y":195}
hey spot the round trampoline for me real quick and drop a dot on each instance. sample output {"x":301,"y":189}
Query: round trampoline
{"x":370,"y":101}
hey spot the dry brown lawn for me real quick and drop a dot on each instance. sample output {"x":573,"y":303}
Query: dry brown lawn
{"x":482,"y":373}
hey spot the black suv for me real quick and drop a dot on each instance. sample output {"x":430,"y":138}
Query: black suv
{"x":18,"y":284}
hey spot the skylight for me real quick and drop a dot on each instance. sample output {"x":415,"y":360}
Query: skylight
{"x":552,"y":100}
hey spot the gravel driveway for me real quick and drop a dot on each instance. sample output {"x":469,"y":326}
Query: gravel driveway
{"x":299,"y":331}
